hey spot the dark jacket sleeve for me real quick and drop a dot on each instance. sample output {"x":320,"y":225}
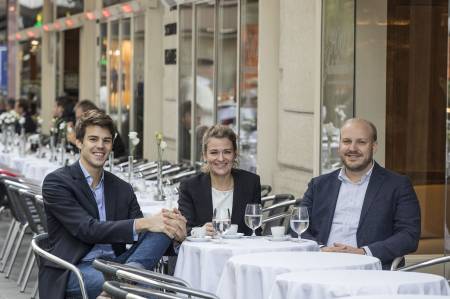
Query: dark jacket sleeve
{"x":307,"y":202}
{"x":70,"y":211}
{"x":186,"y":206}
{"x":406,"y":226}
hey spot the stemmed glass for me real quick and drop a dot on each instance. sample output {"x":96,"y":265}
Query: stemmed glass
{"x":253,"y":216}
{"x":221,"y":222}
{"x":299,"y":220}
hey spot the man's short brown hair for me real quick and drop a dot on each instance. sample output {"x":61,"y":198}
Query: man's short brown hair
{"x":94,"y":118}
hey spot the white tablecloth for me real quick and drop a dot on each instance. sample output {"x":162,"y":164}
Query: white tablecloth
{"x":201,"y":264}
{"x":397,"y":297}
{"x":253,"y":275}
{"x":341,"y":283}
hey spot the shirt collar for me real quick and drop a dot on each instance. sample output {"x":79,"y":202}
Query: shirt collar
{"x":343,"y":176}
{"x":88,"y":177}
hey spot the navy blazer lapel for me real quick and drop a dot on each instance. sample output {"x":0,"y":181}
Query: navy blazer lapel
{"x":235,"y":213}
{"x":110,"y":201}
{"x":332,"y":200}
{"x":77,"y":174}
{"x":207,"y":194}
{"x":375,"y":183}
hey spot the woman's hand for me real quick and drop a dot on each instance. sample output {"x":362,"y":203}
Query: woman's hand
{"x":209,"y":229}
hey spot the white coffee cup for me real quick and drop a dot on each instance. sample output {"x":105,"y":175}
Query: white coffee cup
{"x":232,"y":230}
{"x":277,"y":231}
{"x":198,"y":232}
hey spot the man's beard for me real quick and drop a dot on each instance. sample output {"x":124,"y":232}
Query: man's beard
{"x":358,"y":167}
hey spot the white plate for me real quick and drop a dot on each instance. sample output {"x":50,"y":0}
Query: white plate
{"x":299,"y":240}
{"x":199,"y":239}
{"x":278,"y":239}
{"x":234,"y":236}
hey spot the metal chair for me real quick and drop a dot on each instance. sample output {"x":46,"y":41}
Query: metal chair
{"x":40,"y":246}
{"x":18,"y":226}
{"x":124,"y":291}
{"x":428,"y":263}
{"x":265,"y":190}
{"x":29,"y":206}
{"x":109,"y":270}
{"x":277,"y":214}
{"x":160,"y":285}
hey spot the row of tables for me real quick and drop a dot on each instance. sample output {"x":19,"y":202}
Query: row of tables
{"x":262,"y":268}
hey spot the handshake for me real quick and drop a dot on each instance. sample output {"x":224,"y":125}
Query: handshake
{"x":170,"y":222}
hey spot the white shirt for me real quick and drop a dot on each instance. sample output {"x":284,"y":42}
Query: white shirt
{"x":222,"y":200}
{"x":348,"y":210}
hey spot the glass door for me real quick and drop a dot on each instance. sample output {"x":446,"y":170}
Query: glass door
{"x":122,"y":75}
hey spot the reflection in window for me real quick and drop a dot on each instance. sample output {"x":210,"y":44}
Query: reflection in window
{"x":30,"y":70}
{"x":248,"y":84}
{"x":218,"y":78}
{"x":186,"y":81}
{"x":138,"y":78}
{"x":30,"y":13}
{"x":126,"y":55}
{"x":204,"y":79}
{"x":68,"y":7}
{"x":337,"y":76}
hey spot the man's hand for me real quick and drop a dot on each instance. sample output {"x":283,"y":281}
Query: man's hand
{"x":177,"y":221}
{"x":339,"y":247}
{"x":155,"y":223}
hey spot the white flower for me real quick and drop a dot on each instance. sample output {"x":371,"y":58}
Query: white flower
{"x":135,"y":141}
{"x":132,"y":135}
{"x":40,"y":120}
{"x":69,"y":130}
{"x":22,"y":120}
{"x":62,"y":126}
{"x":163,"y":145}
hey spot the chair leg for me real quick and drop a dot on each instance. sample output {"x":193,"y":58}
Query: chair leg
{"x":8,"y":237}
{"x":9,"y":247}
{"x":1,"y":209}
{"x":25,"y":265}
{"x":35,"y":290}
{"x":16,"y":250}
{"x":27,"y":273}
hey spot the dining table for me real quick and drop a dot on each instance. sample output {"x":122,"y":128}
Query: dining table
{"x":253,"y":275}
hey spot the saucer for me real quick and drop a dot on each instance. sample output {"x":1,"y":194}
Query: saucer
{"x":278,"y":239}
{"x":199,"y":239}
{"x":233,"y":236}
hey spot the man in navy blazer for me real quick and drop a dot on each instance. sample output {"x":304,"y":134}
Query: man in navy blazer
{"x":362,"y":208}
{"x":92,"y":213}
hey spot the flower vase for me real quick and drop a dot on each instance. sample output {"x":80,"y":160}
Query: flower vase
{"x":23,"y":142}
{"x":63,"y":151}
{"x":130,"y":169}
{"x":5,"y":138}
{"x":52,"y":147}
{"x":111,"y":161}
{"x":159,"y":183}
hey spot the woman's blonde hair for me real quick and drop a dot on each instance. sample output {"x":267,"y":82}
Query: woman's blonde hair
{"x":219,"y":131}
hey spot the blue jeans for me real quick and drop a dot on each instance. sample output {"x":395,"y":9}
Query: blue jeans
{"x":147,"y":252}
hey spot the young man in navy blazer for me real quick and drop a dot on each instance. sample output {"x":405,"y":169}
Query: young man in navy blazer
{"x":92,"y":213}
{"x":362,"y":208}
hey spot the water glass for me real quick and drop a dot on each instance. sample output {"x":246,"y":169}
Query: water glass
{"x":299,"y":220}
{"x":221,"y":221}
{"x":253,"y":216}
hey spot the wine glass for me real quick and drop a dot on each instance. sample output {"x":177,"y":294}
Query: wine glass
{"x":253,"y":216}
{"x":221,"y":221}
{"x":299,"y":220}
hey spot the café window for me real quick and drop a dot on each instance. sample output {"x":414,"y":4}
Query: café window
{"x":121,"y":74}
{"x":218,"y":74}
{"x":30,"y":70}
{"x":68,"y":8}
{"x":29,"y":13}
{"x":386,"y":61}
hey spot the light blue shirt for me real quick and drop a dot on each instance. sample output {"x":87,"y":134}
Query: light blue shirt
{"x":348,"y":210}
{"x":99,"y":195}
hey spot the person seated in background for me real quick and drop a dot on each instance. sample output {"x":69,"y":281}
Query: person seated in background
{"x":62,"y":113}
{"x":220,"y":185}
{"x":80,"y":108}
{"x":23,"y":111}
{"x":362,"y":208}
{"x":92,"y":213}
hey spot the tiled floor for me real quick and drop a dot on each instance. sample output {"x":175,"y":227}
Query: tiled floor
{"x":8,"y":286}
